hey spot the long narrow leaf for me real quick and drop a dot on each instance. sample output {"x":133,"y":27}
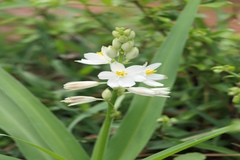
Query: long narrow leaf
{"x":14,"y":122}
{"x":2,"y":157}
{"x":48,"y":127}
{"x":56,"y":156}
{"x":168,"y":152}
{"x":140,"y":121}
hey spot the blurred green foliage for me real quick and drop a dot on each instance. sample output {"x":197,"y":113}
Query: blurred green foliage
{"x":41,"y":39}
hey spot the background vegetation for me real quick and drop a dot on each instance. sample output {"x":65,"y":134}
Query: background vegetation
{"x":41,"y":39}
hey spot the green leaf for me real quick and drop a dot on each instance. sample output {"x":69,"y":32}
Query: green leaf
{"x":191,"y":156}
{"x":140,"y":121}
{"x":192,"y":141}
{"x":56,"y":156}
{"x":215,"y":4}
{"x":32,"y":121}
{"x":14,"y":5}
{"x":2,"y":157}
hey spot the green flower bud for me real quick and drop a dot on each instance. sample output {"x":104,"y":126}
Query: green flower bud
{"x":127,"y":32}
{"x":122,"y":39}
{"x":107,"y":94}
{"x":116,"y":44}
{"x":111,"y":52}
{"x":116,"y":34}
{"x":218,"y":69}
{"x":120,"y":29}
{"x":132,"y":35}
{"x":132,"y":54}
{"x":127,"y":46}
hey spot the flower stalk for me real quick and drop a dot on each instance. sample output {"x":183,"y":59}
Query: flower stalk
{"x":101,"y":144}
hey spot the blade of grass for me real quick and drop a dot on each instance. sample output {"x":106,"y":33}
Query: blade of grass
{"x":52,"y":154}
{"x":194,"y":141}
{"x":12,"y":115}
{"x":140,"y":121}
{"x":43,"y":121}
{"x":2,"y":157}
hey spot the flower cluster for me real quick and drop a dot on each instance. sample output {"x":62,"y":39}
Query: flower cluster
{"x":120,"y":77}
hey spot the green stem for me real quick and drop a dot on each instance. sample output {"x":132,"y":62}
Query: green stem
{"x":235,"y":74}
{"x":120,"y":57}
{"x":101,"y":144}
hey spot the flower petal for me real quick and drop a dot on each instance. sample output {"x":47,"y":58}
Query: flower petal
{"x":94,"y":57}
{"x":80,"y":85}
{"x":137,"y":77}
{"x":126,"y":82}
{"x":106,"y":75}
{"x":135,"y":69}
{"x":103,"y":49}
{"x":141,"y":91}
{"x":85,"y":61}
{"x":113,"y":83}
{"x":79,"y":100}
{"x":117,"y":67}
{"x":161,"y":91}
{"x":153,"y":66}
{"x":152,"y":83}
{"x":156,"y":76}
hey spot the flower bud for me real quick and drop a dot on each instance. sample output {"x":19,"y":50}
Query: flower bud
{"x":122,"y":39}
{"x":127,"y":32}
{"x":106,"y":94}
{"x":132,"y":35}
{"x":120,"y":29}
{"x":115,"y":34}
{"x":127,"y":46}
{"x":116,"y":44}
{"x":132,"y":54}
{"x":111,"y":52}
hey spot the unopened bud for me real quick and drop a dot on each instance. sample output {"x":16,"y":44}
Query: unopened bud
{"x":132,"y":54}
{"x":127,"y":46}
{"x":122,"y":39}
{"x":116,"y":44}
{"x":120,"y":29}
{"x":111,"y":52}
{"x":127,"y":32}
{"x":132,"y":35}
{"x":107,"y":94}
{"x":115,"y":34}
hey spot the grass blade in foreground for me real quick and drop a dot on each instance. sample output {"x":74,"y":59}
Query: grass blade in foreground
{"x":57,"y":157}
{"x":203,"y":137}
{"x":140,"y":121}
{"x":52,"y":133}
{"x":2,"y":157}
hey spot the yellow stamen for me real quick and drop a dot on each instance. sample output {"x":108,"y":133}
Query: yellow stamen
{"x":121,"y":73}
{"x":100,"y":53}
{"x":150,"y":71}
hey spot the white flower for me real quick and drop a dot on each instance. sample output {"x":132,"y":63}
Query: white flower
{"x":151,"y":76}
{"x":96,"y":58}
{"x":75,"y":100}
{"x":80,"y":85}
{"x":159,"y":92}
{"x":121,"y":76}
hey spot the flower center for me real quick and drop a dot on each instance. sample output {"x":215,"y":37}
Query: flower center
{"x":150,"y":71}
{"x":100,"y":53}
{"x":121,"y":73}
